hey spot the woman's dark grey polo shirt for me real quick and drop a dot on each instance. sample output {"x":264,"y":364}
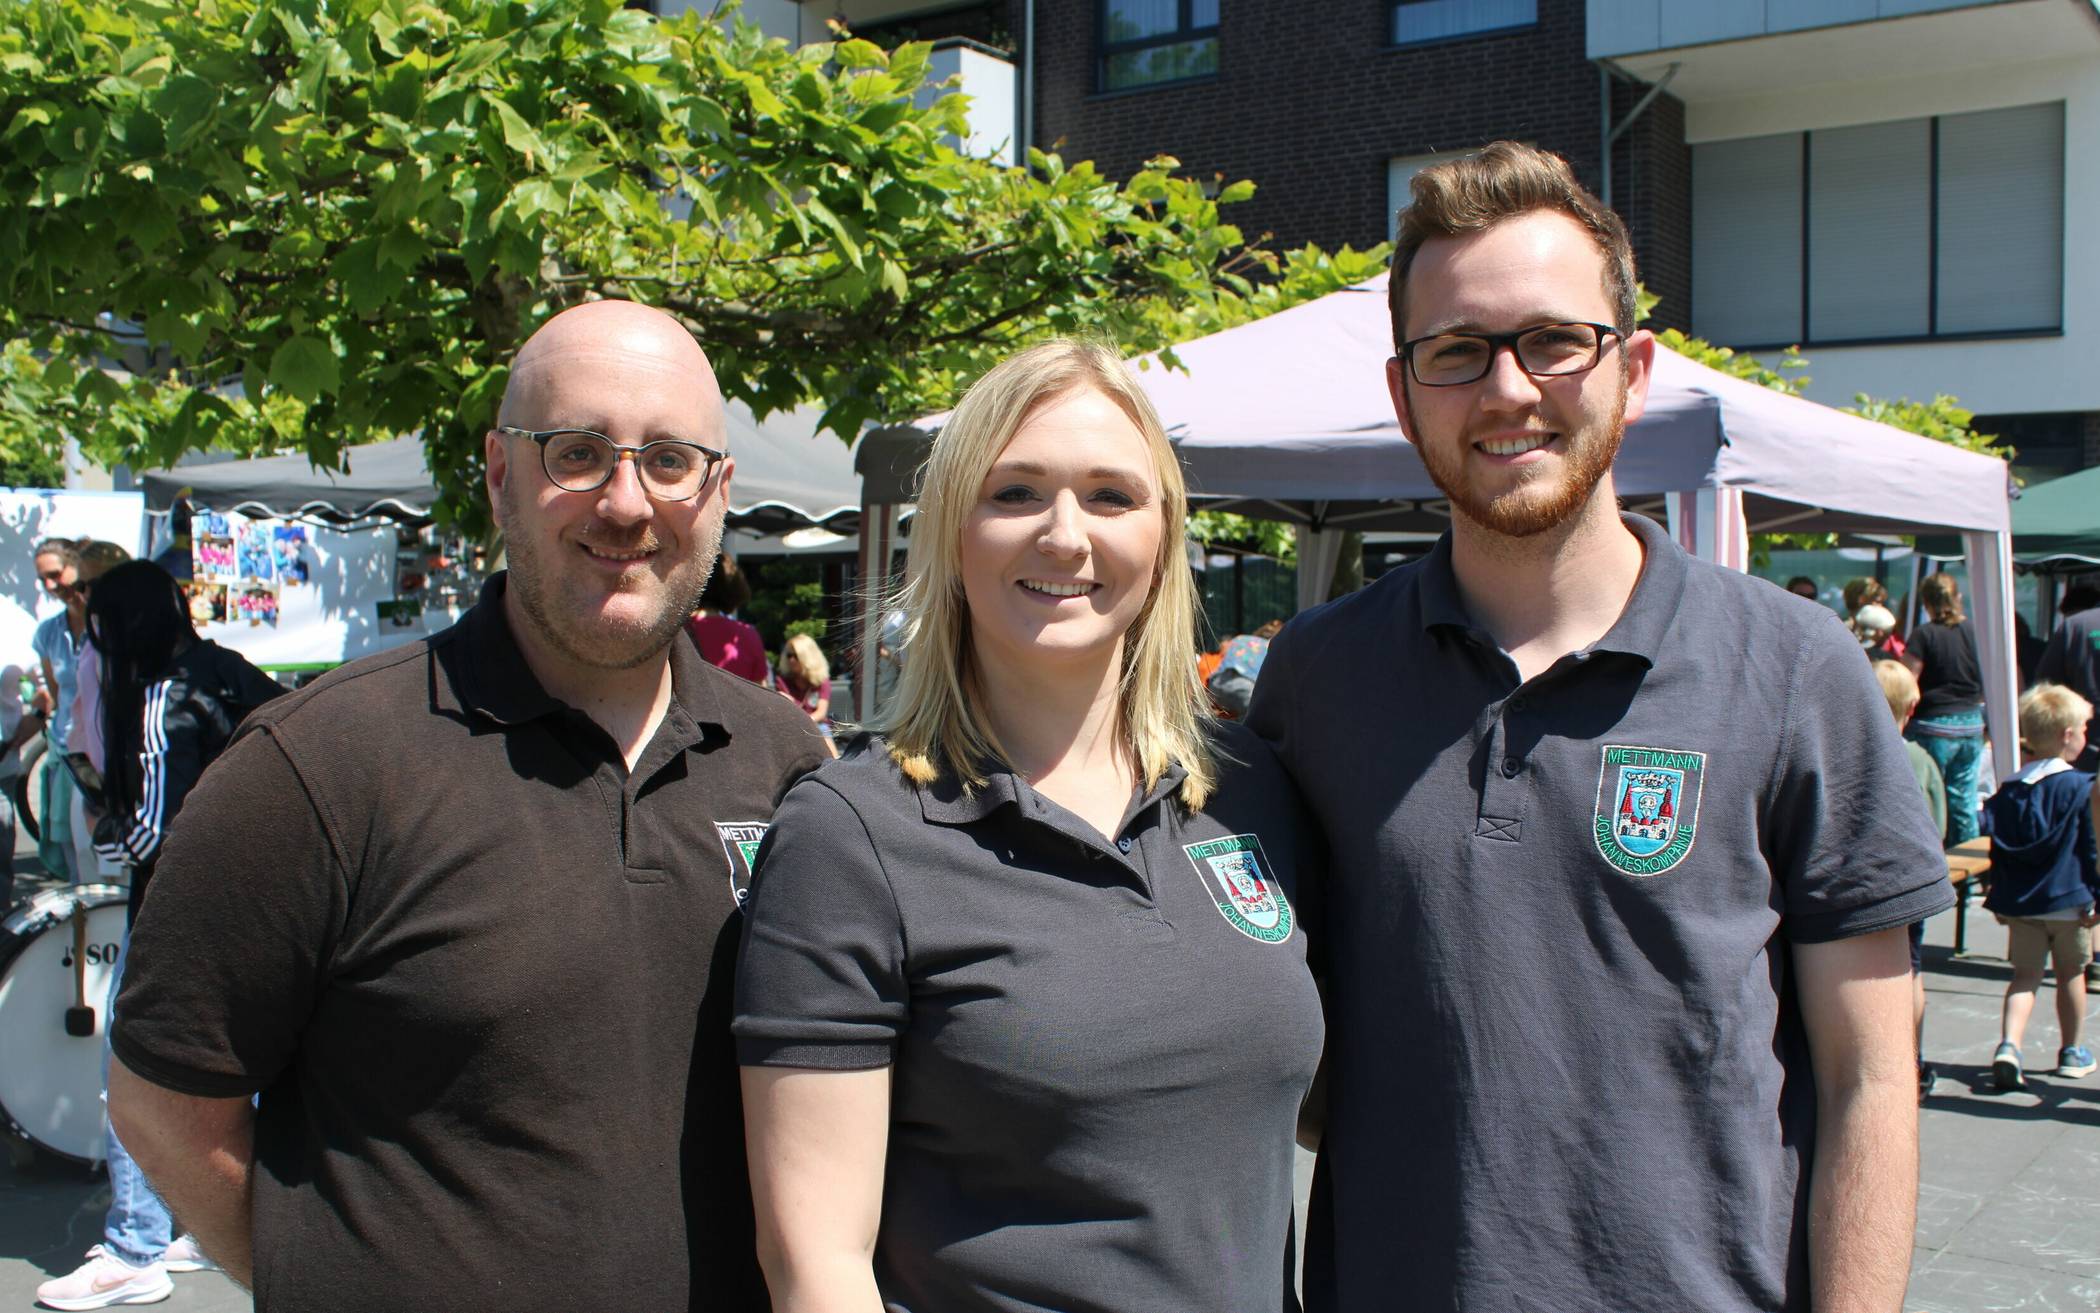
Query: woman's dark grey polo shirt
{"x":1568,"y":1069}
{"x":1100,"y":1046}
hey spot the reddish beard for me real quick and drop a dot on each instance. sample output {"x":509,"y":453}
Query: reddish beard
{"x":1532,"y":506}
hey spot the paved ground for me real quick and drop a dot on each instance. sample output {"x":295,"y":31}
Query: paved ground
{"x":2008,"y":1219}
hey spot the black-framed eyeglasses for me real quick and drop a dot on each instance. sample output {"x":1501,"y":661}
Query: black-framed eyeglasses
{"x":1449,"y":360}
{"x":578,"y":460}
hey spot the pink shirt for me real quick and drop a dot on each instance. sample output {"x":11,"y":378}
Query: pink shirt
{"x":730,"y":644}
{"x":85,"y":733}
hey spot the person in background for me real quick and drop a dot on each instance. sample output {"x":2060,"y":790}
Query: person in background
{"x":170,"y":702}
{"x":1949,"y":720}
{"x":805,"y":676}
{"x":1900,"y":687}
{"x":57,"y":645}
{"x":1231,"y":682}
{"x":1875,"y":627}
{"x":2045,"y":883}
{"x":889,"y":657}
{"x":724,"y":640}
{"x":1803,"y":586}
{"x":84,"y":733}
{"x":1862,"y":593}
{"x":16,"y":726}
{"x":2072,"y":659}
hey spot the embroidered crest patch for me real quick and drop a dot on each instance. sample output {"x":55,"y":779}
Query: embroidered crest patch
{"x":740,"y":840}
{"x":1238,"y":880}
{"x":1647,"y":807}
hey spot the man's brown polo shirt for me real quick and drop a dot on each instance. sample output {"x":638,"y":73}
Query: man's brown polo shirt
{"x":480,"y":973}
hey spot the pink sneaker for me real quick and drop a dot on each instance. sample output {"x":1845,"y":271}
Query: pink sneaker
{"x":105,"y":1280}
{"x":184,"y":1255}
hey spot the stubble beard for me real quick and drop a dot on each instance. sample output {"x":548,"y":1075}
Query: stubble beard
{"x":1526,"y":510}
{"x":606,"y":646}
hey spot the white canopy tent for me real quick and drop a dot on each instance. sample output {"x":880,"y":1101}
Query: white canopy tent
{"x":1288,"y":418}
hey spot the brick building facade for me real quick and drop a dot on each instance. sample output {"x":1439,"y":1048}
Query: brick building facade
{"x":1312,"y":101}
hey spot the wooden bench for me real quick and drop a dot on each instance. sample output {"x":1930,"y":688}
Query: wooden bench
{"x":1967,"y":862}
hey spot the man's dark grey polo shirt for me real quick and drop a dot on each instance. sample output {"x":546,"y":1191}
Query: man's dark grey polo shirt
{"x":1099,"y":1044}
{"x":1567,"y":1070}
{"x":480,"y":972}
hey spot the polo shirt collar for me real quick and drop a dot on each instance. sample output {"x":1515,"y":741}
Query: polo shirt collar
{"x":1640,"y":628}
{"x":495,"y":681}
{"x":1645,"y":623}
{"x":945,"y":803}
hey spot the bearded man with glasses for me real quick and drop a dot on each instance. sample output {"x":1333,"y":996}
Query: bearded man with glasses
{"x":465,"y":914}
{"x":1617,"y":982}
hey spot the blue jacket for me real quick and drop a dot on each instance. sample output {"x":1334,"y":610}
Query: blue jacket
{"x":2041,"y":827}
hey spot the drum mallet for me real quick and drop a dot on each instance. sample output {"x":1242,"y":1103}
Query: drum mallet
{"x":80,"y":1018}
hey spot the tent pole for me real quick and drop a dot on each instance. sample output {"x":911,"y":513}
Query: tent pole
{"x":878,"y":524}
{"x":1989,"y":557}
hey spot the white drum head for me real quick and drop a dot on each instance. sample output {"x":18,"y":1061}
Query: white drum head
{"x":51,"y":1082}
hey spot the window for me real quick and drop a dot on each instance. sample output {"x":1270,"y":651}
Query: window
{"x":1399,"y":179}
{"x":1922,"y":228}
{"x":1415,"y":21}
{"x":1148,"y":42}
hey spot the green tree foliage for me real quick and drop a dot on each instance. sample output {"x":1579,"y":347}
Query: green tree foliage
{"x":359,"y":208}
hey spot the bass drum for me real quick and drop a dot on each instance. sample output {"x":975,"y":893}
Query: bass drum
{"x":51,"y":1082}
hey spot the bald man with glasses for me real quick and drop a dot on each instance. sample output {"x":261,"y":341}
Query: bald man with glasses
{"x":464,"y":914}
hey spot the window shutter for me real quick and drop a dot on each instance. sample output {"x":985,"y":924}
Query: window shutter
{"x":1746,"y":240}
{"x":2001,"y":247}
{"x":1869,"y":230}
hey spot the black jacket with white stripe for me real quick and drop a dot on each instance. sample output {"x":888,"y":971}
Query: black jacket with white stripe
{"x":191,"y":715}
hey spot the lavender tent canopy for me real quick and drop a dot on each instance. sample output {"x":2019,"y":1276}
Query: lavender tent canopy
{"x":1288,"y":418}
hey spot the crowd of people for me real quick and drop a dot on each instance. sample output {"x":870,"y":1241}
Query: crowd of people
{"x":579,"y":957}
{"x":132,"y":706}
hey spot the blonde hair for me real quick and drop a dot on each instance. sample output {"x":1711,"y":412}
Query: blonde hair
{"x":934,"y":722}
{"x":2046,"y":712}
{"x":810,"y":664}
{"x":1899,"y":686}
{"x":95,"y":558}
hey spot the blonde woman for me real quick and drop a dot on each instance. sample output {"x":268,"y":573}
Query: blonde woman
{"x":805,"y":676}
{"x":1023,"y":1006}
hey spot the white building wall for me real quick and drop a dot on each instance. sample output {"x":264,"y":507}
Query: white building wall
{"x":988,"y":81}
{"x":2007,"y":376}
{"x":777,"y":18}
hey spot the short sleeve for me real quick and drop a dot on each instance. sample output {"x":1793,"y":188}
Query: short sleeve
{"x":1845,"y":825}
{"x":1268,"y":715}
{"x":821,"y":980}
{"x":231,"y":944}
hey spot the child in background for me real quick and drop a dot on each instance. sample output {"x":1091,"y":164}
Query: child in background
{"x":1900,"y":687}
{"x":2044,"y":880}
